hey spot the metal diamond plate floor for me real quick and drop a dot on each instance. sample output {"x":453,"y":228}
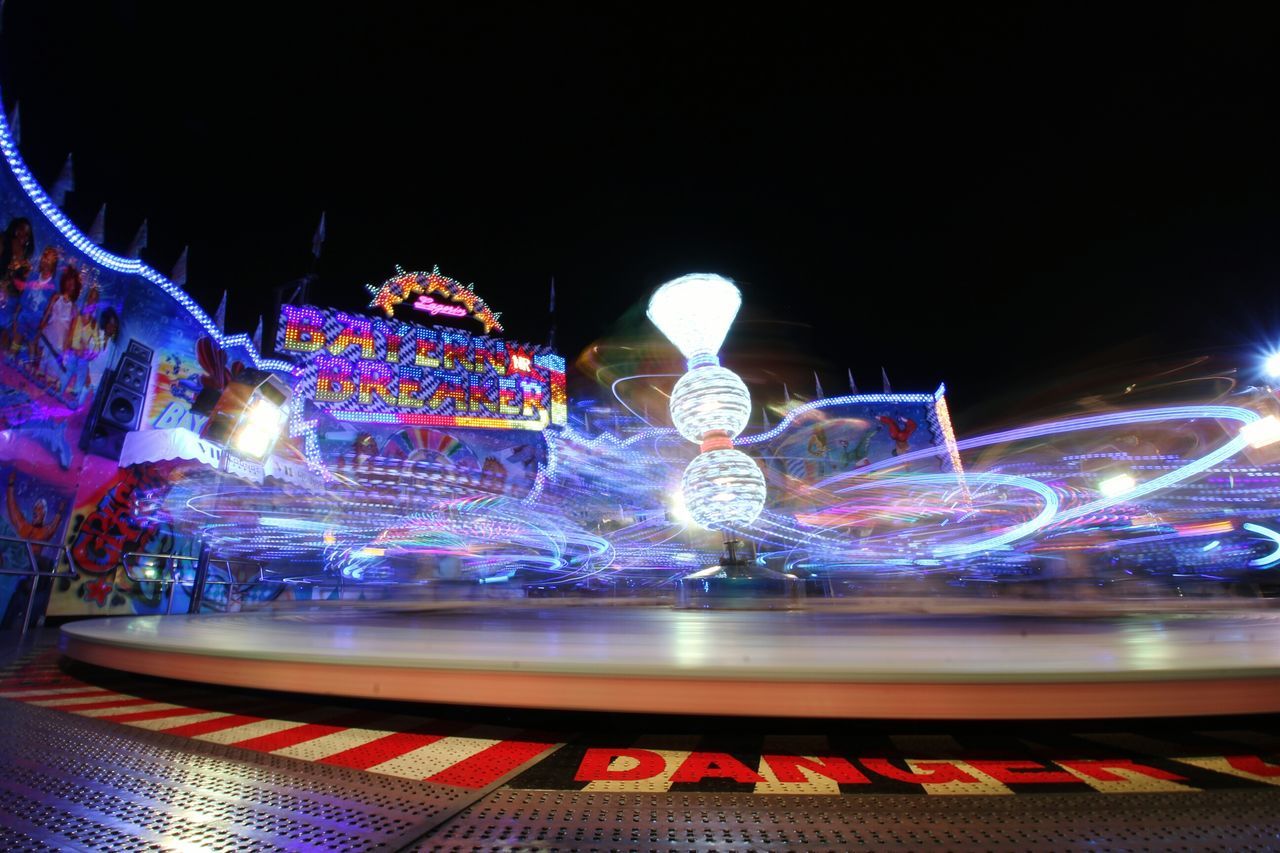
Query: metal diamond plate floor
{"x":70,"y":782}
{"x":557,"y":820}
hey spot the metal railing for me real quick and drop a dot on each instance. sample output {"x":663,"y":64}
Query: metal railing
{"x":168,"y":570}
{"x":54,"y":558}
{"x":36,"y":560}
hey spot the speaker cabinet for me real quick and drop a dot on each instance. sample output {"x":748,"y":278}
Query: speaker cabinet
{"x":117,"y":407}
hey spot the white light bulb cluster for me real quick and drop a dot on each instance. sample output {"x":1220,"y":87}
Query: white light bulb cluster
{"x":710,"y":405}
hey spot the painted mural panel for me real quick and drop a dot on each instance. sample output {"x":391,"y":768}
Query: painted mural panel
{"x":71,"y":331}
{"x":60,"y":326}
{"x":845,"y":438}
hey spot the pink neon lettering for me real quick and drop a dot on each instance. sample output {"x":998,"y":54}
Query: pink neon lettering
{"x":426,"y":303}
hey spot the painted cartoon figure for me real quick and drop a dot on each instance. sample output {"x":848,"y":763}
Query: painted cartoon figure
{"x":818,"y":448}
{"x":529,"y":456}
{"x":900,"y":430}
{"x":15,"y":269}
{"x":36,"y":293}
{"x":38,"y":528}
{"x":365,"y":447}
{"x":493,"y":468}
{"x":90,"y":337}
{"x":859,"y":456}
{"x":55,"y":325}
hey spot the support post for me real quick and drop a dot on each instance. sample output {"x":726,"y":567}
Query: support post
{"x":31,"y":593}
{"x":202,"y":574}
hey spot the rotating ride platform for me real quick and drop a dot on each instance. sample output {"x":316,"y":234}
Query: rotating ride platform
{"x":821,"y":663}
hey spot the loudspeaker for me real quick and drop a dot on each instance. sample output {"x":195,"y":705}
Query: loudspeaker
{"x":117,"y":407}
{"x":121,"y":408}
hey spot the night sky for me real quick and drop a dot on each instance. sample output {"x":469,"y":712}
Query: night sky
{"x":989,"y":198}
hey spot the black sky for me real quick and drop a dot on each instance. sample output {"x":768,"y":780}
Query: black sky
{"x":982,"y":197}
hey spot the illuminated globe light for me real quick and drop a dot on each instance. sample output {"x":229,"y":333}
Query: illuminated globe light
{"x":723,"y":488}
{"x":695,"y":312}
{"x":710,"y":399}
{"x":1271,"y":365}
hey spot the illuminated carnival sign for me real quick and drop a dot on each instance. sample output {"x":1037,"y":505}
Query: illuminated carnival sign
{"x":374,"y":370}
{"x":457,"y":300}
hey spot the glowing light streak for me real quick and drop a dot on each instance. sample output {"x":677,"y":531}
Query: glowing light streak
{"x":1272,"y":558}
{"x":1262,"y":433}
{"x":985,"y":479}
{"x":1206,"y":528}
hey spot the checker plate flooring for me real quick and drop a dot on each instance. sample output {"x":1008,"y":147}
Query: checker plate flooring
{"x":74,"y":783}
{"x":558,"y":820}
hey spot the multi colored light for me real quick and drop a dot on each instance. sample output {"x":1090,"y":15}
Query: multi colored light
{"x":384,"y":371}
{"x":462,"y":299}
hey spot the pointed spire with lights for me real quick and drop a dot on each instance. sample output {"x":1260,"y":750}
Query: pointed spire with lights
{"x":66,"y":183}
{"x":885,"y":378}
{"x":220,"y":316}
{"x":98,"y":230}
{"x":853,"y":386}
{"x":139,"y":241}
{"x":179,"y":273}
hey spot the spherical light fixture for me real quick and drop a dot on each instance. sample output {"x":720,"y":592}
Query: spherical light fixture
{"x":710,"y":399}
{"x":723,"y":488}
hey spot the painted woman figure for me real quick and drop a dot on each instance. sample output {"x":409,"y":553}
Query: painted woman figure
{"x":818,"y":449}
{"x":36,"y":293}
{"x":55,"y":327}
{"x":90,"y":337}
{"x":15,"y":269}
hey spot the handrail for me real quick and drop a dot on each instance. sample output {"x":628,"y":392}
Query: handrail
{"x":172,"y":574}
{"x":33,"y":568}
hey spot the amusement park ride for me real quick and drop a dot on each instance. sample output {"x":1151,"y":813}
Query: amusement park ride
{"x":164,"y":473}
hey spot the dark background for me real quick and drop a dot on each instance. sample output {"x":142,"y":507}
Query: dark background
{"x":993,"y":198}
